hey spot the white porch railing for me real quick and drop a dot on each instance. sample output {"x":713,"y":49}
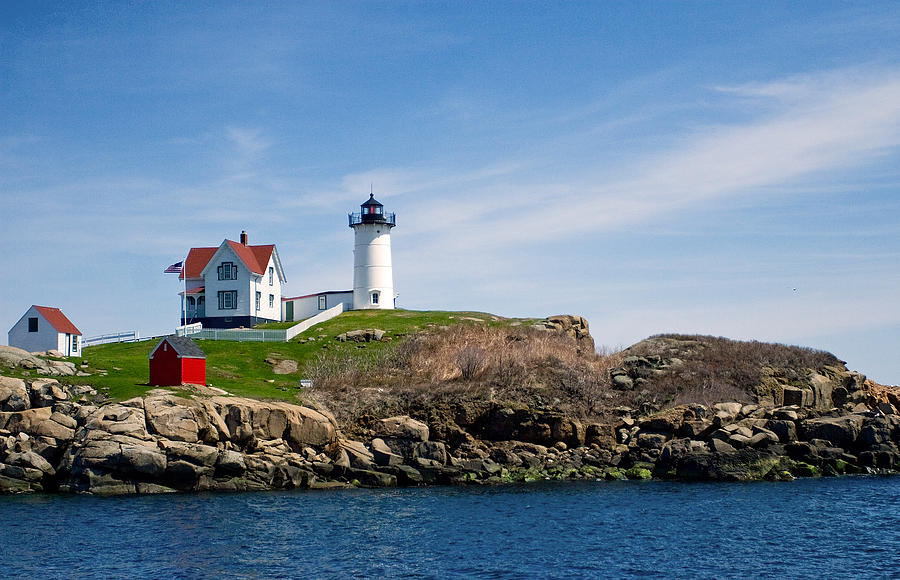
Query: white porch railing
{"x":188,"y":329}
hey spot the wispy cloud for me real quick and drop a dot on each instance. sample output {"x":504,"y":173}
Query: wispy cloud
{"x":807,"y":128}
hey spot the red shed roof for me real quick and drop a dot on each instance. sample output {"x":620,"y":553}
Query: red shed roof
{"x":57,"y":319}
{"x":254,"y":257}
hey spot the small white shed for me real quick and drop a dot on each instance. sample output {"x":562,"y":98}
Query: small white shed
{"x":46,"y":328}
{"x":303,"y":307}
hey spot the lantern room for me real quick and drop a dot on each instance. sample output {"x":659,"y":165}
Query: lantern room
{"x":372,"y":212}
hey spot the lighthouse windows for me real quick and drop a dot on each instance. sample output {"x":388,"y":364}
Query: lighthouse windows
{"x":374,"y":297}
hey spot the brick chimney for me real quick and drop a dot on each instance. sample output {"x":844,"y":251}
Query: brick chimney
{"x":243,"y":238}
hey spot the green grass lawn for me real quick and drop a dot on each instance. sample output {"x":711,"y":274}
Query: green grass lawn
{"x":241,"y":368}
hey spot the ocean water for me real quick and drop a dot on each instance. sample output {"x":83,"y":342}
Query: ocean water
{"x":821,"y":528}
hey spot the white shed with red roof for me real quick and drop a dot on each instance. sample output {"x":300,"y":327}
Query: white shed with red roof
{"x":44,"y":328}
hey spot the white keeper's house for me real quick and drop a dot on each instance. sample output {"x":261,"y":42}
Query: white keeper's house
{"x":238,"y":285}
{"x":232,"y":285}
{"x":44,"y":328}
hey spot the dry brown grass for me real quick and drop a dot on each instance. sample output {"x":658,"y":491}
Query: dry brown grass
{"x":718,"y":369}
{"x":476,"y":363}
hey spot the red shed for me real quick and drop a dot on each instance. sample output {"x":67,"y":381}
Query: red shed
{"x":177,"y":360}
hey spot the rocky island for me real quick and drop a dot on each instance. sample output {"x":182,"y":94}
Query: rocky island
{"x":472,"y":403}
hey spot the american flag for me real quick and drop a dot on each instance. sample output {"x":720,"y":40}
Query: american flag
{"x":174,"y":268}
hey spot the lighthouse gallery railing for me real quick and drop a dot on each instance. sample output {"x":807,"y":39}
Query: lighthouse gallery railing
{"x":357,"y":218}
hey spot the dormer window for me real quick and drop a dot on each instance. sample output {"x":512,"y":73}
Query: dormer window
{"x":227,"y":271}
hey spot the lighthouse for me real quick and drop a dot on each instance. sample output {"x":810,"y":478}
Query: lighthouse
{"x":373,"y":277}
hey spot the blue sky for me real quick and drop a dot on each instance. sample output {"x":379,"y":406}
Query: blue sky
{"x":698,"y":167}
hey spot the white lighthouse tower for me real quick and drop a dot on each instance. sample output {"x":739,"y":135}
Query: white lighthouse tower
{"x":373,"y":277}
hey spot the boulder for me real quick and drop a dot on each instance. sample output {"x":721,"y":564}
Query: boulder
{"x":729,"y":411}
{"x":365,"y":335}
{"x":570,"y":325}
{"x":383,"y":454}
{"x":309,"y":427}
{"x":30,"y":459}
{"x":433,"y":450}
{"x":285,"y":367}
{"x":668,"y":421}
{"x":121,"y":456}
{"x":600,"y":434}
{"x":786,"y":431}
{"x":651,"y":440}
{"x":622,"y":382}
{"x":369,"y":478}
{"x":840,"y":431}
{"x":246,"y":419}
{"x":54,"y":428}
{"x":13,"y":395}
{"x":359,"y":456}
{"x":46,"y":392}
{"x":13,"y":357}
{"x":120,"y":419}
{"x":171,"y":417}
{"x":230,"y":463}
{"x":24,"y":421}
{"x":196,"y":453}
{"x":797,"y":396}
{"x":720,"y":446}
{"x":403,"y":427}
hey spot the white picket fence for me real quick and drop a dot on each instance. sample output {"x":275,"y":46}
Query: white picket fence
{"x":259,"y":335}
{"x":126,"y":336}
{"x":240,"y":335}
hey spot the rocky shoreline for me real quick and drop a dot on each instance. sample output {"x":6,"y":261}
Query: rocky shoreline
{"x":55,"y":438}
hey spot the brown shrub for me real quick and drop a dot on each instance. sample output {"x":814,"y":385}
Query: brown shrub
{"x":471,"y":362}
{"x":718,"y":369}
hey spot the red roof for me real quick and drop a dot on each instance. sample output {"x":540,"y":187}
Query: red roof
{"x":256,"y":258}
{"x":58,"y":320}
{"x":197,"y":259}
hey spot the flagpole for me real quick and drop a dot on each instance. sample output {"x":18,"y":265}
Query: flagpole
{"x":184,"y":297}
{"x":178,"y":268}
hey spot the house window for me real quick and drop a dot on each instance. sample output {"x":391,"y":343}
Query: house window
{"x":32,"y":324}
{"x":271,"y":301}
{"x":227,"y":271}
{"x":374,"y":297}
{"x":271,"y":276}
{"x":74,"y":343}
{"x":323,"y":302}
{"x":227,"y":299}
{"x":258,"y":299}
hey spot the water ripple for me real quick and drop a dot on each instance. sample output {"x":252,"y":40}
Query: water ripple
{"x":836,"y":528}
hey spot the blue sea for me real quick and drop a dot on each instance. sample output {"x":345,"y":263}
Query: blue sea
{"x":814,"y":528}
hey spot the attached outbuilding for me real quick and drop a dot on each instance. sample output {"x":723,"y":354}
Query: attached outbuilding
{"x":177,"y":360}
{"x":44,"y":328}
{"x":303,"y":307}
